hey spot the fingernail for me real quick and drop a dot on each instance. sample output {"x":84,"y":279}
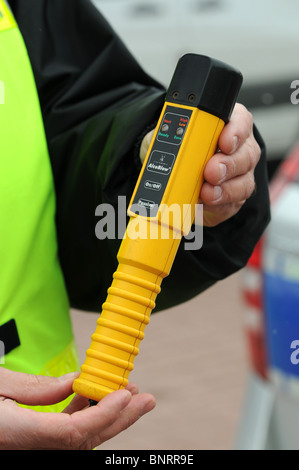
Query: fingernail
{"x":235,"y":144}
{"x":69,"y":376}
{"x":222,"y":171}
{"x":217,"y":192}
{"x":150,"y":405}
{"x":126,"y":398}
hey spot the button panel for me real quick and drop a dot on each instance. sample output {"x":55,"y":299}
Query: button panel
{"x":161,"y":161}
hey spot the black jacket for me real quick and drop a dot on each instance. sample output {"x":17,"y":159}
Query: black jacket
{"x":96,"y":103}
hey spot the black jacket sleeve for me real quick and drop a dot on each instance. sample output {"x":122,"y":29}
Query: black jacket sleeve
{"x":96,"y":102}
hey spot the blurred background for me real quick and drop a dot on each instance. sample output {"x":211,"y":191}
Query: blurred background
{"x":260,"y":37}
{"x":212,"y":363}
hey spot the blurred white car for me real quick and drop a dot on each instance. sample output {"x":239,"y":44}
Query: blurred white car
{"x":259,"y":37}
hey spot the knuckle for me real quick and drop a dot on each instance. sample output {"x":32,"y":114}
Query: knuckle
{"x":31,"y":382}
{"x":249,"y":125}
{"x":236,"y":192}
{"x":219,"y":214}
{"x":251,"y":156}
{"x":248,"y":116}
{"x":243,"y":120}
{"x":232,"y":166}
{"x":71,"y":438}
{"x":239,"y":204}
{"x":235,"y":207}
{"x":250,"y":186}
{"x":253,"y":153}
{"x":227,"y":193}
{"x":258,"y":150}
{"x":240,"y":108}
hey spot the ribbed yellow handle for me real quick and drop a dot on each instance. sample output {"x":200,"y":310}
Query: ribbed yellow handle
{"x":143,"y":263}
{"x":120,"y":328}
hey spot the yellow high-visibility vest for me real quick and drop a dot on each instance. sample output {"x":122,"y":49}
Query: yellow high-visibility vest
{"x":35,"y":327}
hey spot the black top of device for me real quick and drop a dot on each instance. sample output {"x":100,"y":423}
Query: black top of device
{"x":205,"y":83}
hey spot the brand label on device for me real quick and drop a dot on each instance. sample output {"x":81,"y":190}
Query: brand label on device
{"x":161,"y":161}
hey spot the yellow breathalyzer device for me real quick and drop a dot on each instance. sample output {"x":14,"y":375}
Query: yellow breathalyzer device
{"x":198,"y":103}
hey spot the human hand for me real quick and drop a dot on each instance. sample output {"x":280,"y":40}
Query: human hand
{"x":229,"y":174}
{"x":79,"y":427}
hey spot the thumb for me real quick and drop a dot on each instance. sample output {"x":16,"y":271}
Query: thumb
{"x":145,"y":145}
{"x":33,"y":390}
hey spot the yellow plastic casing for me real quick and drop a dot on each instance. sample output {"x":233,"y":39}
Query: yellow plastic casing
{"x":145,"y":260}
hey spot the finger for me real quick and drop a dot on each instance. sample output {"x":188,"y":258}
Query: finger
{"x":8,"y":402}
{"x":234,"y":190}
{"x":77,"y":403}
{"x":35,"y":389}
{"x":92,"y":422}
{"x":214,"y":215}
{"x":223,"y":167}
{"x":237,"y":130}
{"x":112,"y":415}
{"x":81,"y":430}
{"x":132,"y":388}
{"x":145,"y":145}
{"x":84,"y":429}
{"x":138,"y":406}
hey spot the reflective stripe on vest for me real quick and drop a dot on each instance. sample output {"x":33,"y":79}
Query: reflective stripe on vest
{"x":32,"y":289}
